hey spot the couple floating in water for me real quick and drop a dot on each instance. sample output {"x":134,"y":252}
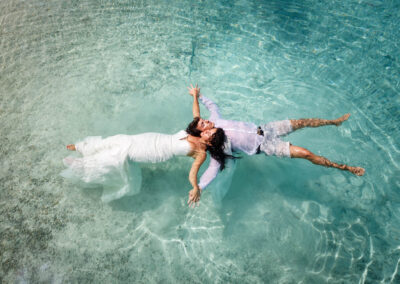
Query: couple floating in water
{"x":113,"y":161}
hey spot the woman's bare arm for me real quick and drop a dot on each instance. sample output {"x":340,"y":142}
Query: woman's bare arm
{"x":195,"y":92}
{"x":194,"y":194}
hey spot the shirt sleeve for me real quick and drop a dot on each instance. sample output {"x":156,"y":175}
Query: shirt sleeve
{"x":210,"y":174}
{"x":213,"y":168}
{"x":211,"y":106}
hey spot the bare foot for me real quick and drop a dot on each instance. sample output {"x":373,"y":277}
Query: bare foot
{"x":71,"y":147}
{"x":357,"y":170}
{"x":340,"y":120}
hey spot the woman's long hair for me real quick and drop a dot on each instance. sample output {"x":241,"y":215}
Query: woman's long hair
{"x":217,"y":147}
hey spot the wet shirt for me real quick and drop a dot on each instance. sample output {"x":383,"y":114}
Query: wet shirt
{"x":242,"y":136}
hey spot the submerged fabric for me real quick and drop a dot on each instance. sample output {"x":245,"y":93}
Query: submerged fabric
{"x":272,"y":143}
{"x":108,"y":161}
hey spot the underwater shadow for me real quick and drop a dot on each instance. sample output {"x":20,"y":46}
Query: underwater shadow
{"x":159,"y":183}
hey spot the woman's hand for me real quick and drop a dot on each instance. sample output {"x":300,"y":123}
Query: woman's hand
{"x":194,"y":196}
{"x":194,"y":91}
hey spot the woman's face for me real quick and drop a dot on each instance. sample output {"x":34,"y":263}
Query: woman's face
{"x":207,"y":135}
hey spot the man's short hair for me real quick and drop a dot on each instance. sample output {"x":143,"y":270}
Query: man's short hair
{"x":192,"y":127}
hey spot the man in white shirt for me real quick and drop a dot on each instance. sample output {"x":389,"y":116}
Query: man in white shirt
{"x":250,"y":139}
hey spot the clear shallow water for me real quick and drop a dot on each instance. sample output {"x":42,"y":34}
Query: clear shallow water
{"x":69,"y":70}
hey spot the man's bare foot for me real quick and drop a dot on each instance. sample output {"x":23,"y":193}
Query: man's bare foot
{"x":71,"y":147}
{"x":340,"y":120}
{"x":357,"y":170}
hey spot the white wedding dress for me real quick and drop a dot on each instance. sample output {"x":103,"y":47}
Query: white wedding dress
{"x":108,"y":161}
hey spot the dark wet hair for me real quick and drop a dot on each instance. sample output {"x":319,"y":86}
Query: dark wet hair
{"x":217,"y":148}
{"x":192,"y":127}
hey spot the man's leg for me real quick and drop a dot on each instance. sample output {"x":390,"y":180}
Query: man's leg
{"x":298,"y":152}
{"x":316,"y":122}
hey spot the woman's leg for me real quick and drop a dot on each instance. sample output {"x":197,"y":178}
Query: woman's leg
{"x":298,"y":152}
{"x":316,"y":122}
{"x":71,"y":147}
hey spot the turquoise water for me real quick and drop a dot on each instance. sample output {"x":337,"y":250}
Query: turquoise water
{"x":78,"y":68}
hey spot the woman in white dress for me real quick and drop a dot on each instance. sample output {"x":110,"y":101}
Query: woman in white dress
{"x":106,"y":161}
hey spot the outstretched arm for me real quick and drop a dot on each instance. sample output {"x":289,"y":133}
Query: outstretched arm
{"x":195,"y":92}
{"x":213,"y":168}
{"x":210,"y":174}
{"x":194,"y":194}
{"x":211,"y":106}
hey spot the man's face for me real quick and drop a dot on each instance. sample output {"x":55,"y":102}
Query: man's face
{"x":203,"y":125}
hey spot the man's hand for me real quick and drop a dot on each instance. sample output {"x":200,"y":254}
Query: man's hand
{"x":194,"y":91}
{"x":194,"y":197}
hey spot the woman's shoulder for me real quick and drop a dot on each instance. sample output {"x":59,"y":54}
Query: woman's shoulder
{"x":197,"y":147}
